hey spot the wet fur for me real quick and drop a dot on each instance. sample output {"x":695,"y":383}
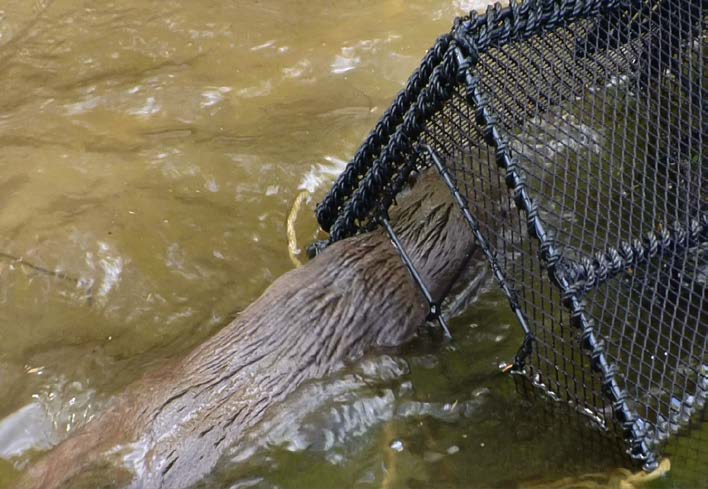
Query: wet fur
{"x":355,"y":296}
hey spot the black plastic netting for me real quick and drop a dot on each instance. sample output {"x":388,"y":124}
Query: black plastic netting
{"x":572,"y":135}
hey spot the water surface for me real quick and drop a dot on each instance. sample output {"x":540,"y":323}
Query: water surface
{"x":151,"y":151}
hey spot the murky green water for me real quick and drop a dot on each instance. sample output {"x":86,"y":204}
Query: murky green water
{"x":150,"y":154}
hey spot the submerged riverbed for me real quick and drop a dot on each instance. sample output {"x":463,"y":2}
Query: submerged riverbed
{"x":151,"y":152}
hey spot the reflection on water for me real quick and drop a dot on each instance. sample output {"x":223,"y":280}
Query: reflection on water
{"x":55,"y":410}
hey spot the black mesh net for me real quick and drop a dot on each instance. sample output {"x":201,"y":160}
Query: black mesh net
{"x":572,"y":135}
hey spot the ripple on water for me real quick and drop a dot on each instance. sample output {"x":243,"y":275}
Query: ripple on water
{"x":350,"y":57}
{"x":213,"y":96}
{"x":336,"y":416}
{"x":56,"y":410}
{"x":322,"y":174}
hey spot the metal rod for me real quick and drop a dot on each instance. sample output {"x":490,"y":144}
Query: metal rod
{"x":435,"y":309}
{"x":481,"y":240}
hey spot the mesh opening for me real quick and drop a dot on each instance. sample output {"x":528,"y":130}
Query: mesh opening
{"x":573,"y":134}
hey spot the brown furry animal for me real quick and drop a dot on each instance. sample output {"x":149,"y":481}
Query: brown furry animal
{"x":169,"y":428}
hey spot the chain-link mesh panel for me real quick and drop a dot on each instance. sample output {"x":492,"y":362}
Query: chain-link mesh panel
{"x":571,"y":133}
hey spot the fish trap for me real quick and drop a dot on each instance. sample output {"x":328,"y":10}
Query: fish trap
{"x":572,"y":136}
